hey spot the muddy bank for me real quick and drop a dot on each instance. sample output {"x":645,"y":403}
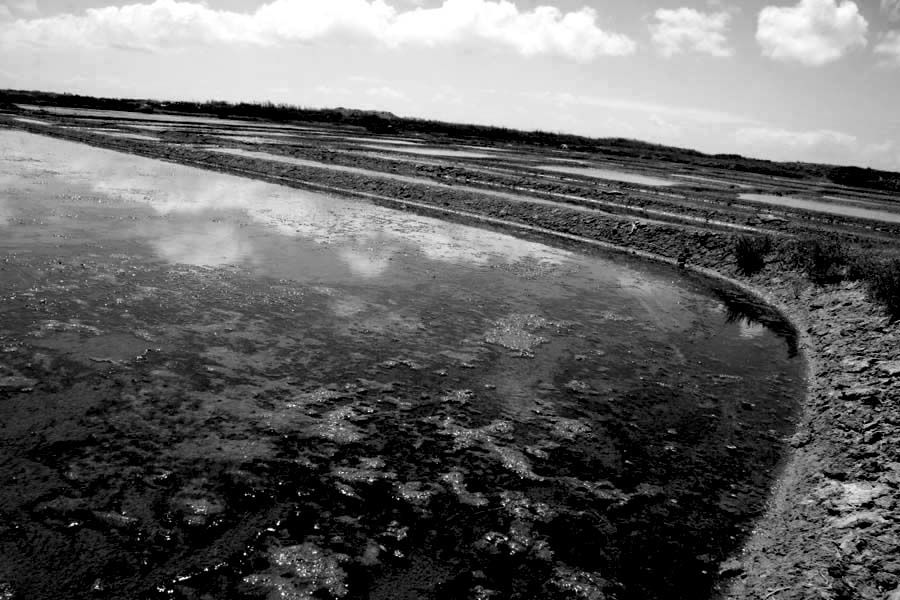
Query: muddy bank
{"x":832,"y":526}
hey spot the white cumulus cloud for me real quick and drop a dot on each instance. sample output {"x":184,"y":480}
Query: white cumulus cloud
{"x":687,"y":29}
{"x":21,"y":8}
{"x":544,"y":30}
{"x":813,"y":32}
{"x":27,"y":7}
{"x":889,"y":47}
{"x":385,"y":93}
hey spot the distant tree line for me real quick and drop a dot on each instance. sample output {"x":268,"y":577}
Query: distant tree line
{"x":386,"y":122}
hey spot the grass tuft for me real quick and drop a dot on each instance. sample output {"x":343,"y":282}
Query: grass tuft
{"x":882,"y":277}
{"x":824,"y":260}
{"x":750,"y":253}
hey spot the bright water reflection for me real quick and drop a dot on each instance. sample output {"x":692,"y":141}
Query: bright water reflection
{"x":205,"y":244}
{"x":824,"y":207}
{"x":429,"y":151}
{"x":124,"y":134}
{"x":136,"y":116}
{"x":250,"y":139}
{"x":383,"y":140}
{"x":609,"y":174}
{"x":709,"y":180}
{"x":177,"y":192}
{"x":32,"y":121}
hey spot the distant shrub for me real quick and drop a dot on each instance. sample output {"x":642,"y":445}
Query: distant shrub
{"x":824,"y":260}
{"x":883,"y":281}
{"x":750,"y":253}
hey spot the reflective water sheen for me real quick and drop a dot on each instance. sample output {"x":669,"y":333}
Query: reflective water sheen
{"x":709,"y":180}
{"x":429,"y":151}
{"x":250,"y":139}
{"x":385,"y":140}
{"x":31,"y":121}
{"x":136,"y":116}
{"x":305,"y":162}
{"x":843,"y":210}
{"x":609,"y":174}
{"x":212,"y":387}
{"x":124,"y":134}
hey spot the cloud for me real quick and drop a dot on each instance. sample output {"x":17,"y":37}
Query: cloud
{"x":891,"y":9}
{"x":162,"y":24}
{"x":889,"y":46}
{"x":686,"y":29}
{"x":813,"y":32}
{"x":666,"y":128}
{"x":333,"y":91}
{"x":384,"y":92}
{"x":22,"y":8}
{"x":822,"y":145}
{"x":25,"y":7}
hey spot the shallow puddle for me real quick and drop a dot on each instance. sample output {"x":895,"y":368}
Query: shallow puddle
{"x":32,"y":121}
{"x":830,"y":208}
{"x":124,"y":134}
{"x":137,"y":116}
{"x":429,"y":151}
{"x":384,"y":140}
{"x":305,"y":162}
{"x":250,"y":139}
{"x":709,"y":180}
{"x":486,"y":148}
{"x":609,"y":174}
{"x":215,"y":387}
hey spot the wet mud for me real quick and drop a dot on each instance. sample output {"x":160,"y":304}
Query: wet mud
{"x":218,"y":388}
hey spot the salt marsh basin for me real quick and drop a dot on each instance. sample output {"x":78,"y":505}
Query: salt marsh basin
{"x":218,"y":386}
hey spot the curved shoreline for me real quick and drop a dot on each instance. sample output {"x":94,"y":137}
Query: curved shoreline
{"x":790,"y":548}
{"x":832,"y":527}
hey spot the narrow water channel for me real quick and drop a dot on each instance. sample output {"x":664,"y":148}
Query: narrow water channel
{"x":215,"y":387}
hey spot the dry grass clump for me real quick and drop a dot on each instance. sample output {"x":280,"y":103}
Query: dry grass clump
{"x":750,"y":253}
{"x":882,"y":278}
{"x":884,"y":285}
{"x":826,"y":260}
{"x":823,"y":259}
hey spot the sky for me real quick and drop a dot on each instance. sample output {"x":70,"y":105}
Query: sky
{"x":807,"y":80}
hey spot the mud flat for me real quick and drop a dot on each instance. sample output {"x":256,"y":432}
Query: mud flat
{"x":831,"y":528}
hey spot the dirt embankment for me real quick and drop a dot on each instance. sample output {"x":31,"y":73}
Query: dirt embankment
{"x":833,"y":526}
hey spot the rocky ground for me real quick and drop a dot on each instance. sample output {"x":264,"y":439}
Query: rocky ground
{"x":832,"y":529}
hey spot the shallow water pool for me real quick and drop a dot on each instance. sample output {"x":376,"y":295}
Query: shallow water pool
{"x":610,"y":174}
{"x":831,"y":208}
{"x":444,"y":153}
{"x":215,"y":387}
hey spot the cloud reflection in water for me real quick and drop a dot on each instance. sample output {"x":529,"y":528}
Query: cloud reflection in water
{"x":207,"y":244}
{"x":197,"y":203}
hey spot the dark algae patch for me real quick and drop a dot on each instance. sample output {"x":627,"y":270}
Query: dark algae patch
{"x":213,"y":388}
